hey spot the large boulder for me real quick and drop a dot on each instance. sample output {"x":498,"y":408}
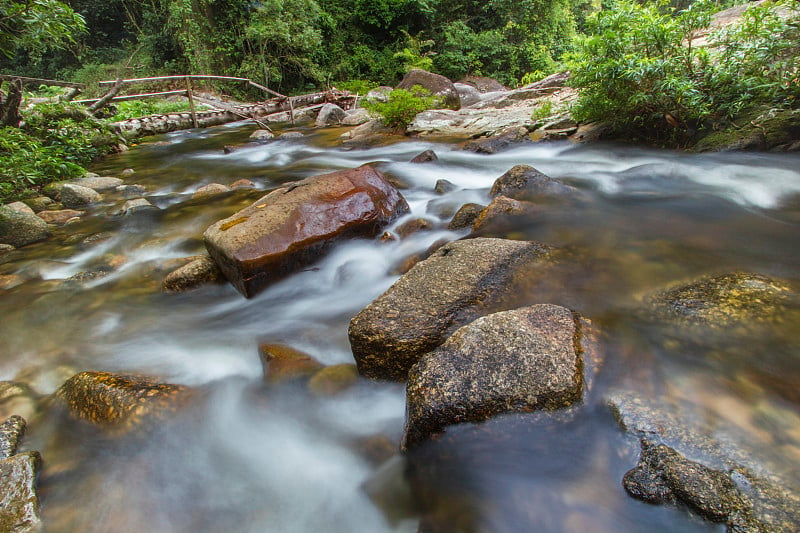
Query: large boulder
{"x":523,"y":182}
{"x":98,"y":183}
{"x":330,"y":114}
{"x":519,"y":360}
{"x":120,"y":402}
{"x":75,"y":196}
{"x":458,"y":283}
{"x":19,"y":229}
{"x":19,"y":512}
{"x":292,"y":226}
{"x":468,"y":94}
{"x":483,"y":84}
{"x":438,"y":86}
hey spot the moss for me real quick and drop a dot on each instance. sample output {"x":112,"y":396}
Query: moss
{"x":755,"y":129}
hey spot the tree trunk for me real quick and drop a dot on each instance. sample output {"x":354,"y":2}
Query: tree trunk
{"x":9,"y":105}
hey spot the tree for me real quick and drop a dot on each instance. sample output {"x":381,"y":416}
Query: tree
{"x":36,"y":26}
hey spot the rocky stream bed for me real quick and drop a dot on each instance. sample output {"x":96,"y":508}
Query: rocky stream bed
{"x":324,"y":331}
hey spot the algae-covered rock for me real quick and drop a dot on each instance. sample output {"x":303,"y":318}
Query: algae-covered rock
{"x":20,"y":229}
{"x":735,"y":299}
{"x":333,"y":379}
{"x":120,"y":402}
{"x":19,"y":512}
{"x":459,"y":282}
{"x":519,"y":360}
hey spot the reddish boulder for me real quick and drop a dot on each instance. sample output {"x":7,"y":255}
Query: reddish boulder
{"x":292,"y":226}
{"x":436,"y":84}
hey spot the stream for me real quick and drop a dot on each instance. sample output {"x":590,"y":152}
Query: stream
{"x":253,"y":458}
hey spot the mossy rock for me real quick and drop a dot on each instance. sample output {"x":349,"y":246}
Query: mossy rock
{"x":757,"y":129}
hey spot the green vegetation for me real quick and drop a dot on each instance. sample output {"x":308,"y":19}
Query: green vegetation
{"x":141,"y":108}
{"x":401,"y":106}
{"x":55,"y":143}
{"x":639,"y":71}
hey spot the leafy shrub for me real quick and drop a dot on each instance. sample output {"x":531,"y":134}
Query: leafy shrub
{"x":402,"y":106}
{"x":639,"y":71}
{"x":361,"y":87}
{"x":141,"y":108}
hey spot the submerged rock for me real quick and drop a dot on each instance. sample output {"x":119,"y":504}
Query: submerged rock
{"x":744,"y":504}
{"x":443,"y":186}
{"x":293,"y":226}
{"x":20,"y":229}
{"x":436,"y":84}
{"x":19,"y":512}
{"x":459,"y":282}
{"x":262,"y":135}
{"x":735,"y":299}
{"x":202,"y":271}
{"x":60,"y":216}
{"x":425,"y":157}
{"x":519,"y":360}
{"x":283,"y":363}
{"x":212,"y":189}
{"x":499,"y":215}
{"x":523,"y":182}
{"x":120,"y":402}
{"x":334,"y":379}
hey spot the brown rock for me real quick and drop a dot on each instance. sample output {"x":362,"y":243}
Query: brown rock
{"x":425,"y":157}
{"x":11,"y":432}
{"x":283,"y":363}
{"x":413,"y":226}
{"x":292,"y":226}
{"x":243,"y":184}
{"x":437,"y":85}
{"x":466,"y":216}
{"x":332,"y":380}
{"x":498,"y":215}
{"x":461,"y":281}
{"x":20,"y":207}
{"x":120,"y":402}
{"x":483,"y":84}
{"x":523,"y":182}
{"x":19,"y":512}
{"x":61,"y":216}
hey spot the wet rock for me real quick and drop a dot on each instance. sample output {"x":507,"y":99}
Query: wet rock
{"x":466,"y":216}
{"x":243,"y":184}
{"x":499,"y":215}
{"x":262,"y":135}
{"x":40,"y":203}
{"x":128,"y":172}
{"x":443,"y":186}
{"x":665,"y":476}
{"x":20,"y":229}
{"x":413,"y":226}
{"x":376,"y":449}
{"x":75,"y":196}
{"x":738,"y":299}
{"x":120,"y":402}
{"x":356,"y":117}
{"x":436,"y":84}
{"x":132,"y":191}
{"x":11,"y":432}
{"x":523,"y":182}
{"x":509,"y":138}
{"x":138,"y":204}
{"x":60,"y":216}
{"x":425,"y":157}
{"x":283,"y":363}
{"x":330,"y":115}
{"x":468,"y":94}
{"x":291,"y":135}
{"x":19,"y":512}
{"x":333,"y":380}
{"x":409,"y":262}
{"x":461,"y":281}
{"x":293,"y":226}
{"x":53,"y":190}
{"x":202,"y":271}
{"x":20,"y":207}
{"x":212,"y":189}
{"x":483,"y":84}
{"x":9,"y":281}
{"x":98,"y":183}
{"x":369,"y":133}
{"x":519,"y":360}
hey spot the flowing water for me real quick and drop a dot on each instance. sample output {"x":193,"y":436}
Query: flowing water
{"x":253,"y":458}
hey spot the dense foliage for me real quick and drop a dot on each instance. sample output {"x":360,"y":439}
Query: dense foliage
{"x":641,"y":69}
{"x":401,"y":106}
{"x":55,"y":142}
